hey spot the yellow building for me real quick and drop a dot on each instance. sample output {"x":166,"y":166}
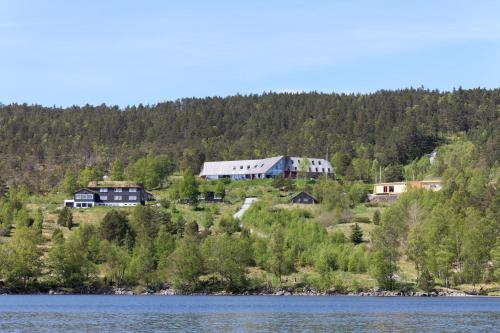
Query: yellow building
{"x":401,"y":187}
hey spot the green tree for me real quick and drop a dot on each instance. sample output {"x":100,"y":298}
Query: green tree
{"x":20,"y":258}
{"x":188,"y":189}
{"x":228,"y":257}
{"x":117,"y":259}
{"x":115,"y":227}
{"x":69,"y":184}
{"x":117,"y":171}
{"x":220,"y":189}
{"x":356,"y":234}
{"x":376,"y":217}
{"x":88,"y":175}
{"x":70,"y":264}
{"x":186,"y":264}
{"x":279,"y":260}
{"x":65,"y":218}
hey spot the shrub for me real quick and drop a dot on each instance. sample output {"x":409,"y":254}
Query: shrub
{"x":65,"y":218}
{"x":361,"y":219}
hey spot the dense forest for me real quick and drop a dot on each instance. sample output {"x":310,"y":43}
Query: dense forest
{"x":361,"y":132}
{"x":425,"y":241}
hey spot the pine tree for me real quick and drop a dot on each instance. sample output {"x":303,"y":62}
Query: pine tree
{"x":356,"y":234}
{"x":376,"y":217}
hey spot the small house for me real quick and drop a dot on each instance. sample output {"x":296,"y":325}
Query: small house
{"x":211,"y":197}
{"x":303,"y":198}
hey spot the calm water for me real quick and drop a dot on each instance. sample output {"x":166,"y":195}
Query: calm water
{"x":247,"y":313}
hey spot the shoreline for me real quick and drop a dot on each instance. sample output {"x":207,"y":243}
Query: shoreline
{"x":170,"y":292}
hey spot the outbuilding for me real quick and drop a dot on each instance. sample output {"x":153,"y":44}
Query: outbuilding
{"x":303,"y":198}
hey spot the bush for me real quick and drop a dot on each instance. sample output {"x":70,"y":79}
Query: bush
{"x":376,"y":217}
{"x":65,"y":218}
{"x":361,"y":219}
{"x":229,"y":225}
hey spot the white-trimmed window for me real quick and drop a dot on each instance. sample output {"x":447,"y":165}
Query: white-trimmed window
{"x":132,"y":189}
{"x":132,"y":197}
{"x":83,"y":196}
{"x":118,"y":197}
{"x":118,"y":189}
{"x":104,"y":197}
{"x":103,"y":189}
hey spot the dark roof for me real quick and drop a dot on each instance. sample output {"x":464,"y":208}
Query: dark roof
{"x":296,"y":195}
{"x":86,"y":189}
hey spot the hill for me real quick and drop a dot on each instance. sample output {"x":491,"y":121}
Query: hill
{"x":39,"y":144}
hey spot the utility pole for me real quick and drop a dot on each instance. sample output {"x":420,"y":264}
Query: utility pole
{"x":380,"y":174}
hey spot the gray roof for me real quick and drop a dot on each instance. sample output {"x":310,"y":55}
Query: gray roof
{"x":260,"y":166}
{"x":241,"y":167}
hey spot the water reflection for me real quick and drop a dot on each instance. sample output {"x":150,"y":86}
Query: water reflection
{"x":244,"y":314}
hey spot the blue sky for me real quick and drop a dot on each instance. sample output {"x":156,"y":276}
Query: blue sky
{"x":129,"y":52}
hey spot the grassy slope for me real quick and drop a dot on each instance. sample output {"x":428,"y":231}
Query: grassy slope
{"x":236,"y":192}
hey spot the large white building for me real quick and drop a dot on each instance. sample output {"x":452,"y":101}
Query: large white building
{"x":289,"y":167}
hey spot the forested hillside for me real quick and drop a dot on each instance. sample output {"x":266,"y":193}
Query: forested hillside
{"x":361,"y":132}
{"x":425,"y":241}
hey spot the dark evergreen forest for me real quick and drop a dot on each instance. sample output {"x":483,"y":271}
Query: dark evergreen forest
{"x":39,"y":144}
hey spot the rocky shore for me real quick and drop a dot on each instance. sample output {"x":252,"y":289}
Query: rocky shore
{"x":374,"y":293}
{"x":440,"y":292}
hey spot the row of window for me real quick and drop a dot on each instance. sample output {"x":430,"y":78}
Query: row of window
{"x":84,"y":196}
{"x":248,"y":167}
{"x":81,"y":196}
{"x":312,"y":161}
{"x":118,"y":197}
{"x":117,"y":189}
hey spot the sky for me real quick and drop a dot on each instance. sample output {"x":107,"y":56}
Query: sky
{"x":123,"y":52}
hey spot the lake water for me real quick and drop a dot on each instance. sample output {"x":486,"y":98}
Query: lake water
{"x":247,"y":313}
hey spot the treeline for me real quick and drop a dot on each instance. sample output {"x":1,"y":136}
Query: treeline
{"x":362,"y":132}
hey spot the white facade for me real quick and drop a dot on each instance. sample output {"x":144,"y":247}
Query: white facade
{"x":389,"y":188}
{"x":265,"y":168}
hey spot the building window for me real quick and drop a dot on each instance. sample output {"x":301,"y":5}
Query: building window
{"x":234,"y":168}
{"x":323,"y":169}
{"x":391,"y":189}
{"x":84,"y":196}
{"x":241,"y":167}
{"x":319,"y":162}
{"x":316,"y":169}
{"x":118,"y":189}
{"x":103,"y":189}
{"x":118,"y":197}
{"x":312,"y":162}
{"x":328,"y":169}
{"x":248,"y":166}
{"x":132,"y":190}
{"x":104,"y":197}
{"x":132,"y":197}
